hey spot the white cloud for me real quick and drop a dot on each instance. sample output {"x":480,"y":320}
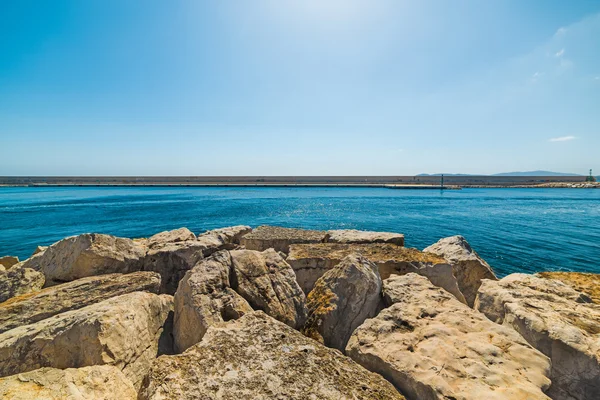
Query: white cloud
{"x":560,"y":31}
{"x":559,"y":53}
{"x":562,"y":139}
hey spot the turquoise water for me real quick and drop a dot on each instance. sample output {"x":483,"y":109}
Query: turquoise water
{"x":522,"y":230}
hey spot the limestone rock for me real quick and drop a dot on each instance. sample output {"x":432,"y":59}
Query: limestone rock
{"x":39,"y":249}
{"x":100,"y":382}
{"x":8,"y":261}
{"x":360,"y":237}
{"x":342,"y":299}
{"x":581,"y":282}
{"x":268,"y":284}
{"x":18,"y":281}
{"x":87,"y":255}
{"x":468,"y":268}
{"x":122,"y":331}
{"x":431,"y":346}
{"x":204,"y":297}
{"x":226,"y":238}
{"x":278,"y":238}
{"x":173,"y":260}
{"x":256,"y":357}
{"x":310,"y":262}
{"x":174,"y":236}
{"x":36,"y":306}
{"x":555,"y":319}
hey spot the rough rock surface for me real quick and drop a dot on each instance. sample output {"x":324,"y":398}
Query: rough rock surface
{"x":99,"y":382}
{"x":204,"y":298}
{"x":39,"y":250}
{"x":172,"y":260}
{"x":431,"y":346}
{"x":122,"y":331}
{"x":359,"y":237}
{"x":468,"y":268}
{"x":18,"y":281}
{"x":8,"y":261}
{"x":581,"y":282}
{"x":555,"y":319}
{"x":87,"y":255}
{"x":174,"y":236}
{"x":310,"y":262}
{"x":268,"y":284}
{"x":257,"y":357}
{"x":278,"y":238}
{"x":342,"y":299}
{"x":226,"y":238}
{"x":36,"y":306}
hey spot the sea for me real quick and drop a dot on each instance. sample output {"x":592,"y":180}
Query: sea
{"x":515,"y":230}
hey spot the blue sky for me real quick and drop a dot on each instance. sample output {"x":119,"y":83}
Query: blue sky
{"x":338,"y":87}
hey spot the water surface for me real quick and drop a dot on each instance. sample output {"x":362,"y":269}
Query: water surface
{"x":515,"y":230}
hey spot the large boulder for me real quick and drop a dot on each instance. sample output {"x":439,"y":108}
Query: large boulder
{"x":431,"y":346}
{"x":205,"y":297}
{"x":227,"y":238}
{"x":268,"y":284}
{"x":310,"y":262}
{"x":87,"y":255}
{"x":172,"y":259}
{"x":123,"y":331}
{"x":18,"y":281}
{"x":580,"y":281}
{"x":174,"y":236}
{"x":257,"y":357}
{"x":341,"y":301}
{"x":99,"y":382}
{"x":555,"y":319}
{"x":468,"y":268}
{"x":36,"y":306}
{"x":8,"y":261}
{"x":278,"y":238}
{"x":361,"y":237}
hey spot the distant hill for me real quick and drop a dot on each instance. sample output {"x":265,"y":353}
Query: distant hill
{"x":518,"y":173}
{"x":535,"y":173}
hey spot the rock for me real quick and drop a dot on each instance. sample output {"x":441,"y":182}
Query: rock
{"x":361,"y":237}
{"x":18,"y":281}
{"x":342,"y":299}
{"x":204,"y":298}
{"x":174,"y":236}
{"x":310,"y":262}
{"x":8,"y":261}
{"x":280,"y":239}
{"x":555,"y":319}
{"x":173,"y":260}
{"x":268,"y":284}
{"x":100,"y":382}
{"x":122,"y":331}
{"x":431,"y":346}
{"x":39,"y":249}
{"x":228,"y":238}
{"x":468,"y":268}
{"x":256,"y":357}
{"x":36,"y":306}
{"x":581,"y":282}
{"x":87,"y":255}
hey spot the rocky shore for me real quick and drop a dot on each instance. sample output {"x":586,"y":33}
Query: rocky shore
{"x":280,"y":313}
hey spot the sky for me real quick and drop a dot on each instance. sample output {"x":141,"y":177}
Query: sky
{"x":298,"y":87}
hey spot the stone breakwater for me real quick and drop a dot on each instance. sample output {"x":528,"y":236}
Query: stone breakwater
{"x":280,"y":313}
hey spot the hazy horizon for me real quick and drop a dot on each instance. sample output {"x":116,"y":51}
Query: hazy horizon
{"x":298,"y":88}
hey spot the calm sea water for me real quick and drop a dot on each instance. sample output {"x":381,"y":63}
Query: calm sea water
{"x":515,"y":230}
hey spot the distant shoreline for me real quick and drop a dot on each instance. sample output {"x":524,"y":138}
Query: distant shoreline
{"x":392,"y":182}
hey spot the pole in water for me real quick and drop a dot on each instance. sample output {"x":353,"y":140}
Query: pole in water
{"x":442,"y":182}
